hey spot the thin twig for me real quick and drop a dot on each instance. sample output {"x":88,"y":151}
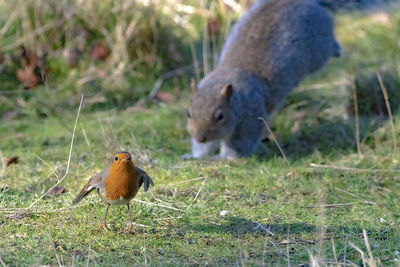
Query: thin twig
{"x":206,"y":69}
{"x":198,"y":192}
{"x":159,"y":205}
{"x":48,"y":165}
{"x":330,"y":205}
{"x":58,"y":260}
{"x":2,"y":262}
{"x":276,"y":142}
{"x":360,"y":251}
{"x":69,"y":157}
{"x":334,"y":251}
{"x":3,"y":165}
{"x":195,"y":62}
{"x":356,"y":120}
{"x":371,"y":261}
{"x":389,"y":110}
{"x":354,"y":195}
{"x":190,"y":180}
{"x":315,"y":165}
{"x":88,"y":257}
{"x":85,"y":135}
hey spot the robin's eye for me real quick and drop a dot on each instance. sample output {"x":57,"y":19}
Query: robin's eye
{"x":116,"y":158}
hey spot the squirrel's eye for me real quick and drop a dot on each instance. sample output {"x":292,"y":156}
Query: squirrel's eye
{"x":219,"y":115}
{"x":116,"y":158}
{"x":188,"y":114}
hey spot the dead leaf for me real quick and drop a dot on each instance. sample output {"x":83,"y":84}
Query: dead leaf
{"x":57,"y":190}
{"x":72,"y":56}
{"x":213,"y":26}
{"x":164,"y":97}
{"x":18,"y":215}
{"x":27,"y":77}
{"x":9,"y":115}
{"x":1,"y":58}
{"x":11,"y":160}
{"x":99,"y":52}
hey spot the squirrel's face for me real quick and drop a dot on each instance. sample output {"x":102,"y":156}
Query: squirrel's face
{"x":209,"y":114}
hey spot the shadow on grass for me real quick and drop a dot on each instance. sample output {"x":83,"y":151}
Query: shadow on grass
{"x":239,"y":226}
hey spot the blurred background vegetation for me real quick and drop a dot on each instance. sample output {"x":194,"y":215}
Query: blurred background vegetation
{"x":113,"y":51}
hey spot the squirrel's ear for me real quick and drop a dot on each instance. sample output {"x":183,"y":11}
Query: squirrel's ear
{"x":227,"y":91}
{"x":193,"y":85}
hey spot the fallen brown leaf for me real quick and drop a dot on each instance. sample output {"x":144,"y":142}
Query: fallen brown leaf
{"x":11,"y":160}
{"x":1,"y":58}
{"x":164,"y":97}
{"x":27,"y":77}
{"x":9,"y":115}
{"x":57,"y":190}
{"x":99,"y":52}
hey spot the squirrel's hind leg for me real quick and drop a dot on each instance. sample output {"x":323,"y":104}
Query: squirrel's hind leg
{"x":200,"y":150}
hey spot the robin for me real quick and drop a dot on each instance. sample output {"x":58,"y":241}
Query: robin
{"x":117,"y":184}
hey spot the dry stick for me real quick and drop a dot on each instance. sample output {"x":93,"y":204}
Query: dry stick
{"x":354,"y":195}
{"x":159,"y":205}
{"x":3,"y":165}
{"x":69,"y":158}
{"x":361,"y":252}
{"x":356,"y":120}
{"x":187,"y":181}
{"x":334,"y":251}
{"x":198,"y":192}
{"x":389,"y":110}
{"x":58,"y":260}
{"x":371,"y":257}
{"x":276,"y":142}
{"x":88,"y":257}
{"x":48,"y":165}
{"x":315,"y":165}
{"x":2,"y":262}
{"x":205,"y":50}
{"x":85,"y":135}
{"x":195,"y":62}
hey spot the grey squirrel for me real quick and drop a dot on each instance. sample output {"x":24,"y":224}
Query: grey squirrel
{"x":267,"y":53}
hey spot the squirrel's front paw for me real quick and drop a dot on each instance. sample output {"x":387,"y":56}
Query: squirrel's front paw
{"x":187,"y":156}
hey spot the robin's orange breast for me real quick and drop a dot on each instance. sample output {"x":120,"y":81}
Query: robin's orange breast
{"x":121,"y":183}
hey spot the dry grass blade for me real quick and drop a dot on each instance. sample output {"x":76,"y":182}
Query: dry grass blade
{"x":158,"y":205}
{"x":198,"y":192}
{"x":356,"y":119}
{"x":334,"y":251}
{"x":371,"y":260}
{"x":2,"y":262}
{"x":190,"y":180}
{"x":360,"y":251}
{"x":277,"y":143}
{"x":3,"y":165}
{"x":69,"y":157}
{"x":48,"y":165}
{"x":389,"y":110}
{"x":354,"y":195}
{"x":58,"y":259}
{"x":322,"y":166}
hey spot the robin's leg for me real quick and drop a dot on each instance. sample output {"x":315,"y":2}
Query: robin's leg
{"x":105,"y":217}
{"x":130,"y":227}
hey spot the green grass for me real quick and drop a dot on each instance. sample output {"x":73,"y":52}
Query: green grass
{"x":257,"y":192}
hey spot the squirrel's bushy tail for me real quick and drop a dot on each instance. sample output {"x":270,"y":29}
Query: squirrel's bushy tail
{"x":335,"y":5}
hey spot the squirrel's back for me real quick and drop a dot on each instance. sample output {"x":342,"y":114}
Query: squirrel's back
{"x":281,"y":41}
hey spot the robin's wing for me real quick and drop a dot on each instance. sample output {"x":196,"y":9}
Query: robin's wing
{"x":143,"y":178}
{"x":96,"y":181}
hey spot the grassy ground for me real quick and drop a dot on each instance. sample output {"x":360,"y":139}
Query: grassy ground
{"x":316,"y":215}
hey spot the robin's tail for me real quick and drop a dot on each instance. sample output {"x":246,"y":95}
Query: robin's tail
{"x":84,"y":192}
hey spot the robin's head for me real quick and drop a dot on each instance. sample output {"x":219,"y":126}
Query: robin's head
{"x":121,"y":159}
